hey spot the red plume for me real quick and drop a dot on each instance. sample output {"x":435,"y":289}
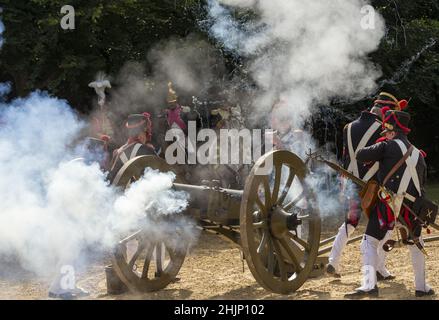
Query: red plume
{"x":384,"y":111}
{"x":403,"y":104}
{"x":146,"y":115}
{"x":105,"y":138}
{"x":148,"y":124}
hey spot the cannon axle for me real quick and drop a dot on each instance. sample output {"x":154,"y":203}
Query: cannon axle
{"x":282,"y":222}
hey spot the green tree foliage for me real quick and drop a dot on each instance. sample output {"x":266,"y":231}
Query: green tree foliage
{"x":408,"y":57}
{"x":38,"y":54}
{"x":410,"y":54}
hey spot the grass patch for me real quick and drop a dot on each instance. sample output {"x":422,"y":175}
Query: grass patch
{"x":433,"y":192}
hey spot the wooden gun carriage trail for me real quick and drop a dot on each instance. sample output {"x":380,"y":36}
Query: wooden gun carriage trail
{"x":275,"y":221}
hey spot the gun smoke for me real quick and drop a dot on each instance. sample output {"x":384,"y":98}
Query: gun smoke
{"x":304,"y":53}
{"x":52,"y":207}
{"x":191,"y":64}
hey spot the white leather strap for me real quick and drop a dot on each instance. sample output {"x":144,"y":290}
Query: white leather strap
{"x":372,"y":171}
{"x":123,"y":157}
{"x":135,"y":150}
{"x":353,"y":166}
{"x":410,"y":172}
{"x":410,"y":198}
{"x":369,"y":133}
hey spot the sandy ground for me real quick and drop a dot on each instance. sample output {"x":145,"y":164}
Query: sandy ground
{"x":214,"y":270}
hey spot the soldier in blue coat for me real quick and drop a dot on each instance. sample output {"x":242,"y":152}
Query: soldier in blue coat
{"x":403,"y":171}
{"x":363,"y":132}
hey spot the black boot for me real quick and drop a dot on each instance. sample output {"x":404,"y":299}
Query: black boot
{"x":380,"y":277}
{"x":359,"y":294}
{"x":331,"y":271}
{"x":420,"y":294}
{"x":62,"y":296}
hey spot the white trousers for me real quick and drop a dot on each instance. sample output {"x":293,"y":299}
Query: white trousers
{"x":369,"y":250}
{"x":418,"y":263}
{"x":341,"y":241}
{"x":382,"y":255}
{"x":371,"y":262}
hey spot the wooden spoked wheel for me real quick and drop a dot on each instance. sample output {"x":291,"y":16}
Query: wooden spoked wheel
{"x":140,"y":261}
{"x":279,"y":223}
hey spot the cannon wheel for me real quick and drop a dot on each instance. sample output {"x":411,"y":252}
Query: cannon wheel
{"x":279,"y":254}
{"x":152,"y":265}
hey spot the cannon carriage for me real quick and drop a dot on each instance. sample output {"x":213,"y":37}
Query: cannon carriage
{"x":274,"y":220}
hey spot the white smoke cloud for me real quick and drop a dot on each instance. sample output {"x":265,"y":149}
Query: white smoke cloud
{"x":245,"y":39}
{"x":305,"y":52}
{"x":185,"y":62}
{"x":191,"y":64}
{"x":52,"y":207}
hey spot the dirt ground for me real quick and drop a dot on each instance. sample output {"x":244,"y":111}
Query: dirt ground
{"x":214,"y":270}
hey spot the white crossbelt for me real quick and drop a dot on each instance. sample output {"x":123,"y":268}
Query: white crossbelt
{"x":123,"y":157}
{"x":135,"y":150}
{"x":353,"y":165}
{"x":410,"y":173}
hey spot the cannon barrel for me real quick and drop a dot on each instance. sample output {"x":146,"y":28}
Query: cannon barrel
{"x":212,"y":202}
{"x":236,"y":194}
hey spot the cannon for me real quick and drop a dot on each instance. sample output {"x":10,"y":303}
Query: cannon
{"x":274,"y":220}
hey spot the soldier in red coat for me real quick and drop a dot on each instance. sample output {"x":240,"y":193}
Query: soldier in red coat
{"x":174,"y":110}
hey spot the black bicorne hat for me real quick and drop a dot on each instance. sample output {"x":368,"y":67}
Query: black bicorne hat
{"x":138,"y":123}
{"x":95,"y":144}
